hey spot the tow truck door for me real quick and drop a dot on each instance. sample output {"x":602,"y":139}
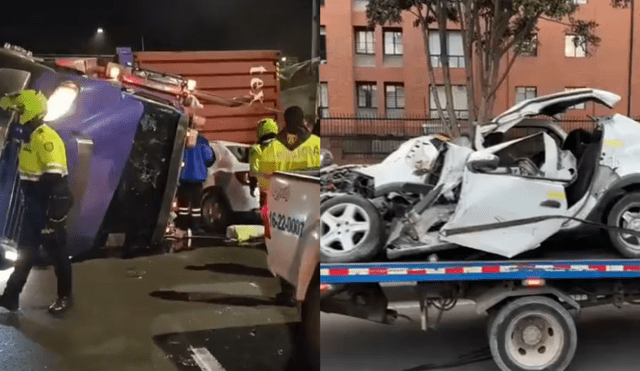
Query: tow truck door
{"x":11,"y":80}
{"x":500,"y":212}
{"x":294,"y":205}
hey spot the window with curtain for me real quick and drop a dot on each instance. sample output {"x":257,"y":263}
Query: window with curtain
{"x":365,"y":43}
{"x":367,"y":92}
{"x":393,"y":42}
{"x":460,"y":105}
{"x":525,"y":92}
{"x":454,"y":45}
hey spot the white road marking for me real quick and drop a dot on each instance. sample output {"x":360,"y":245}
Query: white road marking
{"x":206,"y":360}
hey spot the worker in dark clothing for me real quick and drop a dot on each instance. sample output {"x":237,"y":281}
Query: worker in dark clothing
{"x":48,"y":199}
{"x":194,"y":174}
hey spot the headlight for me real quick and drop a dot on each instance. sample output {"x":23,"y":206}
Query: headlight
{"x":11,"y":255}
{"x":61,"y":101}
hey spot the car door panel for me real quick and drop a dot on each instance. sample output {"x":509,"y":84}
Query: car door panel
{"x":488,"y":201}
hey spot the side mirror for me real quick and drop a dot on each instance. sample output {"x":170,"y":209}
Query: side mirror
{"x":482,"y":162}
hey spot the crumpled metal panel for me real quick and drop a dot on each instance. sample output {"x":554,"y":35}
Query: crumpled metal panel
{"x":410,"y":163}
{"x":489,"y":198}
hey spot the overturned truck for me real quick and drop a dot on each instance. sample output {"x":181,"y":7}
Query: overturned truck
{"x":125,"y":131}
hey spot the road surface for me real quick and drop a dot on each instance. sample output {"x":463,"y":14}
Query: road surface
{"x":209,"y":309}
{"x":608,"y":339}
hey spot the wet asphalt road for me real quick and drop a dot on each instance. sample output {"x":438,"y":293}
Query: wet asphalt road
{"x":207,"y":309}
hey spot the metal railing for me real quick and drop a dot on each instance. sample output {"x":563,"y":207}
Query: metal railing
{"x":377,"y":136}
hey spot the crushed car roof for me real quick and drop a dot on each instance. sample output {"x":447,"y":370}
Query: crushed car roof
{"x":548,"y":105}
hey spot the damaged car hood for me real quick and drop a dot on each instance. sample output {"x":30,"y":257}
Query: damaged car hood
{"x":549,"y":105}
{"x":412,"y":162}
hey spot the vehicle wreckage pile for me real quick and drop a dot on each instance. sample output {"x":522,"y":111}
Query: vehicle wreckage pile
{"x":498,"y":197}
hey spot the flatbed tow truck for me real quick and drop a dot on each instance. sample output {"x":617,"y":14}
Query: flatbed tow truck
{"x":531,"y":304}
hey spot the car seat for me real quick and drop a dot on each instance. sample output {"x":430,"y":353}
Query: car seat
{"x":587,"y":163}
{"x":577,"y":141}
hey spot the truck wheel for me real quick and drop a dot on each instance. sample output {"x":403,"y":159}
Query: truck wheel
{"x":533,"y":333}
{"x":351,"y":230}
{"x":626,"y":214}
{"x":311,"y":320}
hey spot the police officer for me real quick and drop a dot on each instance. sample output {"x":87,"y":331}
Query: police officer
{"x":294,"y":149}
{"x":267,"y":131}
{"x":43,"y":180}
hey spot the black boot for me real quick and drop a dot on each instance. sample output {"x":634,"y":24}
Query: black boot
{"x":9,"y":303}
{"x":61,"y":305}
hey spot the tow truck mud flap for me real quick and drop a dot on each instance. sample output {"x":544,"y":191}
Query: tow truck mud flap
{"x":363,"y":300}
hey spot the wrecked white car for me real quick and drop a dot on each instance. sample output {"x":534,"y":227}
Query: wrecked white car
{"x":495,"y":196}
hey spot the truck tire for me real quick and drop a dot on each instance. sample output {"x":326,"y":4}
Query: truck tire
{"x":533,"y":333}
{"x":351,"y":230}
{"x":311,"y":321}
{"x":625,"y":214}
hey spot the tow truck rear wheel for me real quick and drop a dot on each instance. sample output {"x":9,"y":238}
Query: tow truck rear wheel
{"x":533,"y":333}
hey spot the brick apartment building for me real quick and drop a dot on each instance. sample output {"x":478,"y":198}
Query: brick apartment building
{"x":383,"y":72}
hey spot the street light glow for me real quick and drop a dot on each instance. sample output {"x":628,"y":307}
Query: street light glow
{"x":100,"y":30}
{"x":284,"y":59}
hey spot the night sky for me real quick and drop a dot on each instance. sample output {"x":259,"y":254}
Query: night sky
{"x":69,"y":27}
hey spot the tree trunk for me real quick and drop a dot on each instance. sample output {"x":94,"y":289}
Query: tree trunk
{"x":444,"y":58}
{"x":432,"y":75}
{"x":467,"y":40}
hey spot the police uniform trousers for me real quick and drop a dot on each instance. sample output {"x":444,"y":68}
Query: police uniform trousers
{"x":31,"y":239}
{"x":189,"y":205}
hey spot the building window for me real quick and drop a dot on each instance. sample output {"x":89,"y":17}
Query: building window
{"x":580,"y":1}
{"x":323,"y":44}
{"x":525,"y":92}
{"x":393,"y":42}
{"x":571,"y":49}
{"x":529,"y":48}
{"x":577,"y":106}
{"x":323,"y":100}
{"x":460,"y":105}
{"x":367,"y":95}
{"x":454,"y":44}
{"x":395,"y":96}
{"x":365,"y":43}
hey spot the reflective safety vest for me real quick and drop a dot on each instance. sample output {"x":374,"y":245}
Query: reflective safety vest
{"x":277,"y":157}
{"x":44,"y":153}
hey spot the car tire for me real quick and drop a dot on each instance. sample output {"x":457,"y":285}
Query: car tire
{"x":616,"y":218}
{"x":311,"y":320}
{"x":365,"y":237}
{"x":216,"y":213}
{"x":533,"y":333}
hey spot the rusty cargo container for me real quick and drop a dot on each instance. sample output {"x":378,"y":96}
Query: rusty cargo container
{"x":227,"y":74}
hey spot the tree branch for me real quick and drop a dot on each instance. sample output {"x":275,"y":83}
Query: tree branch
{"x":517,"y":38}
{"x":504,"y":75}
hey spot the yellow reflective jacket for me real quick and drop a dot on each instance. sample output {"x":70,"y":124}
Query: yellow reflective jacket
{"x":277,"y":157}
{"x":44,"y":153}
